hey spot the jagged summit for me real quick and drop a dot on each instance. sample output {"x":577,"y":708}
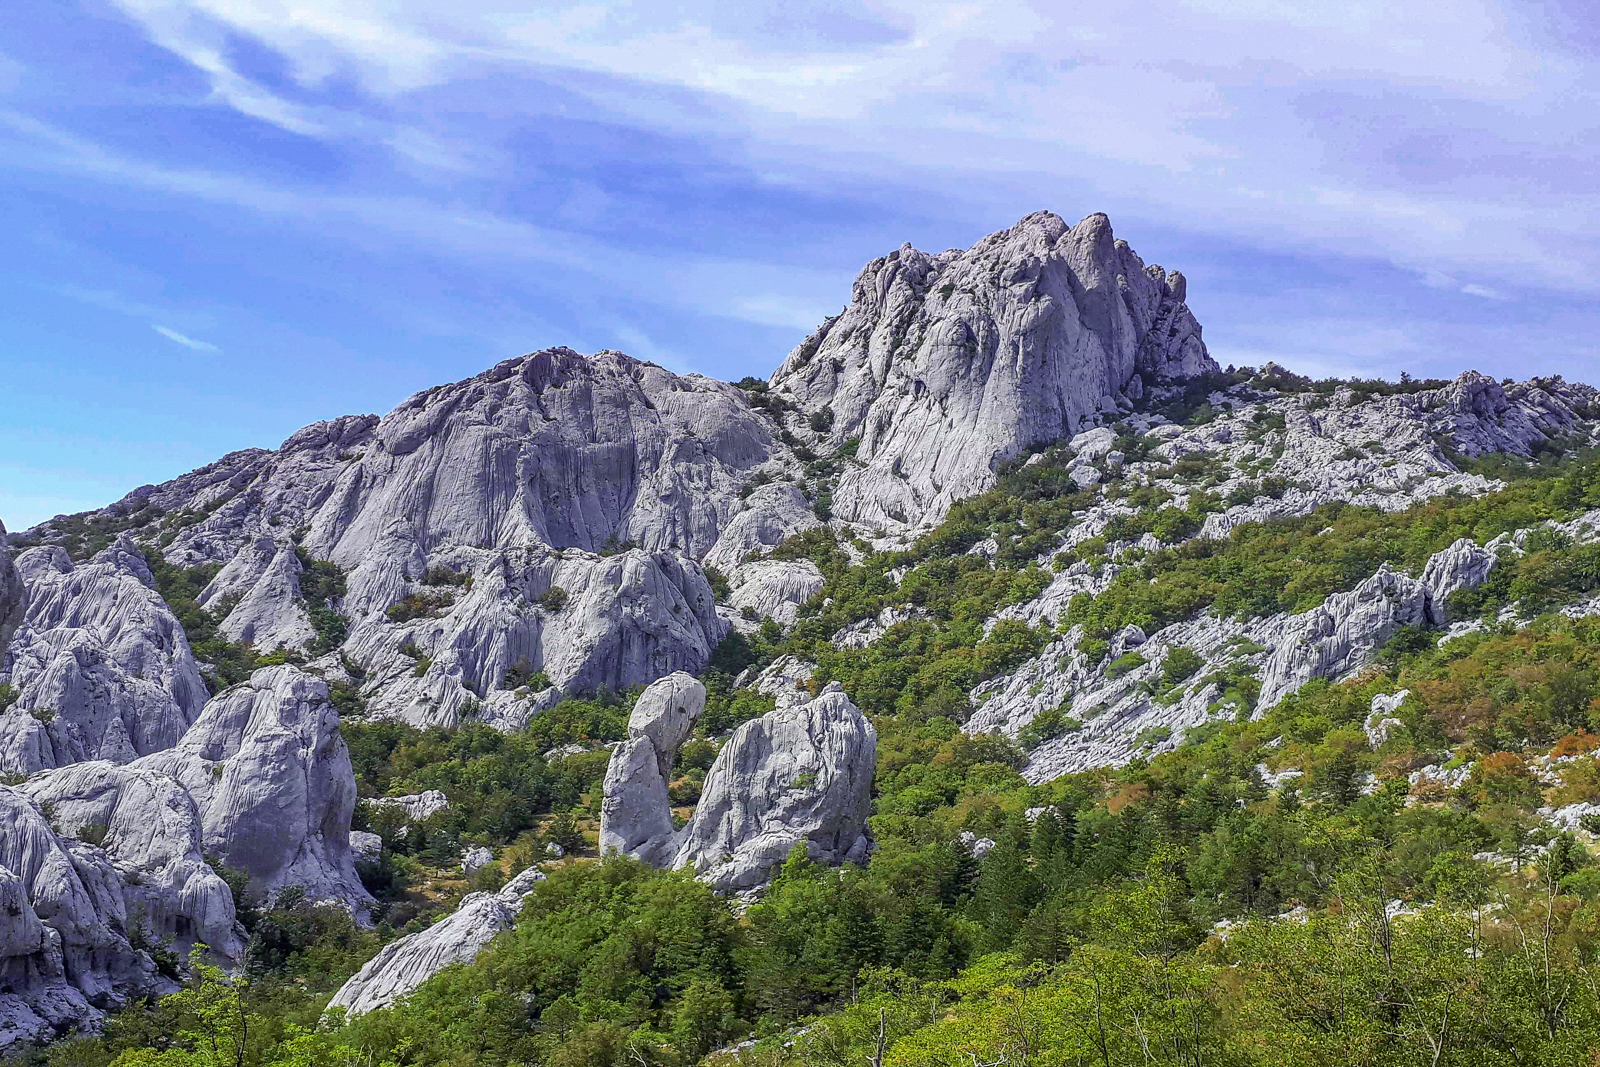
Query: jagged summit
{"x":943,"y":364}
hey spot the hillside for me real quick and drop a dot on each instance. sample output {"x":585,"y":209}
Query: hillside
{"x":1001,"y":679}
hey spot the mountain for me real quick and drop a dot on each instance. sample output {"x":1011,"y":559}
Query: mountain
{"x":1005,"y":505}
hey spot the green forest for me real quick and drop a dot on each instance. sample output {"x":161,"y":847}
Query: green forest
{"x":1180,"y":909}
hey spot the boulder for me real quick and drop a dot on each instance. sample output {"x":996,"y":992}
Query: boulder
{"x":403,"y":965}
{"x":365,"y":846}
{"x":797,"y":775}
{"x":666,"y":713}
{"x":476,"y":859}
{"x":636,"y":814}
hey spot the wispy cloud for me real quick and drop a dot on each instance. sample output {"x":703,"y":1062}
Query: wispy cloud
{"x":185,"y":341}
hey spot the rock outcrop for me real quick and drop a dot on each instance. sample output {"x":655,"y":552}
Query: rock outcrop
{"x":403,"y":965}
{"x":1342,"y":634}
{"x":101,"y":666}
{"x":151,"y":830}
{"x":64,"y":954}
{"x":272,"y":782}
{"x":798,"y":775}
{"x":944,"y":364}
{"x":636,"y":814}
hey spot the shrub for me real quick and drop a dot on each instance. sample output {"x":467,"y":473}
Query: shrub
{"x":446,"y":576}
{"x":1124,"y":663}
{"x":821,"y":420}
{"x":555,"y":598}
{"x":1180,"y":665}
{"x":418,"y":606}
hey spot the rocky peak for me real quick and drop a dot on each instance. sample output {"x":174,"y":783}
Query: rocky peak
{"x":942,"y":365}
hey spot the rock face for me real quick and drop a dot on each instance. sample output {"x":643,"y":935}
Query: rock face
{"x":1343,"y":633}
{"x":155,"y":840}
{"x":405,"y":964}
{"x":943,"y":364}
{"x":64,"y":953}
{"x":272,"y":613}
{"x":801,"y":774}
{"x":636,"y":814}
{"x":100,"y":664}
{"x":272,"y":782}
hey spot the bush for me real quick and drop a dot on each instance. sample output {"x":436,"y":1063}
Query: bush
{"x":1180,"y":665}
{"x":554,"y":599}
{"x":821,"y":420}
{"x":1124,"y":663}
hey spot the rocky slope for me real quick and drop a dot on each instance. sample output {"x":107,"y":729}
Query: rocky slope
{"x":559,"y":523}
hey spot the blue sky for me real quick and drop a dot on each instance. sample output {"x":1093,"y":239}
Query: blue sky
{"x":225,"y":219}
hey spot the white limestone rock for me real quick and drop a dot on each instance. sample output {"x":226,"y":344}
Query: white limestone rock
{"x":666,"y":713}
{"x":153,"y":837}
{"x":101,"y":665}
{"x":775,"y":588}
{"x":1381,"y":722}
{"x":272,"y":781}
{"x":365,"y":846}
{"x":785,"y":679}
{"x":627,"y":620}
{"x":66,"y":958}
{"x":944,"y":364}
{"x":417,"y":806}
{"x":403,"y":965}
{"x":1464,"y":565}
{"x":476,"y":859}
{"x":272,"y":614}
{"x":636,"y":813}
{"x":801,"y":774}
{"x":979,"y":847}
{"x":771,"y":514}
{"x":1342,"y":634}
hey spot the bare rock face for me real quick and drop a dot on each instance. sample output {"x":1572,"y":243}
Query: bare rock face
{"x":100,"y":664}
{"x":272,"y":613}
{"x":152,"y":835}
{"x":944,"y":364}
{"x":801,"y":774}
{"x":64,"y":955}
{"x":405,"y":964}
{"x":1341,"y":635}
{"x":583,"y":619}
{"x":771,"y":514}
{"x":636,"y":814}
{"x":272,"y":782}
{"x":1464,"y":565}
{"x":775,"y":589}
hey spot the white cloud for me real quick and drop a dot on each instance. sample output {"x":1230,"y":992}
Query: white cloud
{"x":1225,"y":117}
{"x":187,"y":342}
